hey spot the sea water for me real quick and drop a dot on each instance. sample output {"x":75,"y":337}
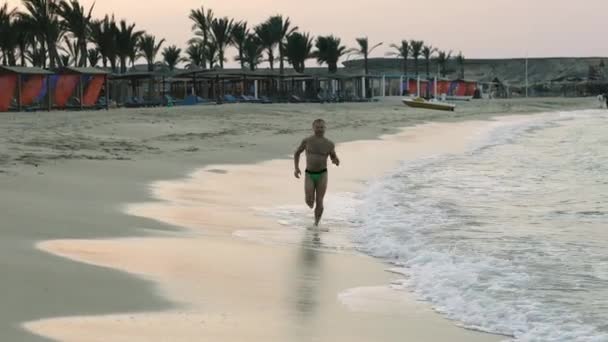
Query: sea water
{"x":510,"y":237}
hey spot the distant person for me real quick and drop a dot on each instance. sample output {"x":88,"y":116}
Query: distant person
{"x":601,"y":98}
{"x":318,"y":149}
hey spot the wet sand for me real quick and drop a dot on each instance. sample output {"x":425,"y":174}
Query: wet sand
{"x":269,"y":282}
{"x":68,"y":176}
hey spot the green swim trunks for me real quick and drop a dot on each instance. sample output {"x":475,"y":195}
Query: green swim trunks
{"x":315,"y":176}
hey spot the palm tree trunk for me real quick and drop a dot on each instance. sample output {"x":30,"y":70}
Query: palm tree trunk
{"x":281,"y":65}
{"x":428,"y":68}
{"x":271,"y":59}
{"x":221,"y":53}
{"x":84,"y":54}
{"x":366,"y":85}
{"x":241,"y":57}
{"x":52,"y":56}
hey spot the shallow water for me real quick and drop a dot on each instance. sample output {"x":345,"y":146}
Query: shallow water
{"x":510,"y":237}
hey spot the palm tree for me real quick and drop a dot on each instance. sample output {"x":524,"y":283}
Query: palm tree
{"x":172,"y":56}
{"x":196,"y":55}
{"x":364,"y":50}
{"x":24,"y":38}
{"x":7,"y":37}
{"x":298,"y":49}
{"x":201,"y":26}
{"x":427,"y":52}
{"x":329,"y":51}
{"x":72,"y":52}
{"x":460,"y":61}
{"x":212,"y":55}
{"x":77,"y":22}
{"x":36,"y":55}
{"x":442,"y":59}
{"x":65,"y":59}
{"x":149,"y":49}
{"x":239,"y":36}
{"x":252,"y":52}
{"x":127,"y":44}
{"x":42,"y":18}
{"x":221,"y":32}
{"x":401,"y":51}
{"x":93,"y":56}
{"x":281,"y":29}
{"x":267,"y":40}
{"x":104,"y":35}
{"x":416,"y":46}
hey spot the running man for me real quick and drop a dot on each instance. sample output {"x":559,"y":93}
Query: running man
{"x":318,"y":149}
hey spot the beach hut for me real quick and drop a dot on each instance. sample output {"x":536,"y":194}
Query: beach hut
{"x":147,"y":88}
{"x":412,"y":87}
{"x":24,"y":88}
{"x":461,"y":87}
{"x":80,"y":88}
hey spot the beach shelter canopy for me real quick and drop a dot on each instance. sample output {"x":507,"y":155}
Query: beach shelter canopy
{"x":140,"y":75}
{"x":83,"y":71}
{"x":80,"y":85}
{"x":23,"y":70}
{"x":22,"y":86}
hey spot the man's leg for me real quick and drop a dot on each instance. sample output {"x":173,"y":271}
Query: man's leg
{"x":309,"y":191}
{"x":321,"y":188}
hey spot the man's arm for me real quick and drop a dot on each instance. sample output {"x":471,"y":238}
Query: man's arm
{"x":296,"y":158}
{"x":334,"y":156}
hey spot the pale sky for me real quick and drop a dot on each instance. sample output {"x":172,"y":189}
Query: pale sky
{"x":478,"y":28}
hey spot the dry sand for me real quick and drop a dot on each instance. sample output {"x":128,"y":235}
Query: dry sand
{"x":65,"y":174}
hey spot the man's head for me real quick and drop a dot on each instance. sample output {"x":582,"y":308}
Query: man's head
{"x":318,"y":126}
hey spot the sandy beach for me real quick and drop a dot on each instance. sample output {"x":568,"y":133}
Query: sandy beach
{"x":149,"y":225}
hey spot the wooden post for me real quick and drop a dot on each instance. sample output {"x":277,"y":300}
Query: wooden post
{"x":363,"y":87}
{"x":243,"y":89}
{"x":383,"y":85}
{"x":194,"y":92}
{"x":19,"y":83}
{"x":81,"y":90}
{"x":49,"y":93}
{"x":107,"y":92}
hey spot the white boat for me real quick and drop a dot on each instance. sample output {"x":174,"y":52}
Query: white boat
{"x":419,"y":102}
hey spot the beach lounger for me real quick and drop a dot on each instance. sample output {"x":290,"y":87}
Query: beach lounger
{"x":230,"y":99}
{"x":265,"y":100}
{"x":295,"y":99}
{"x":252,"y":99}
{"x":134,"y":102}
{"x":170,"y":101}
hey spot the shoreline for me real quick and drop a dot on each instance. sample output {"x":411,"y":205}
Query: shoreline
{"x":179,"y":208}
{"x":87,"y":164}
